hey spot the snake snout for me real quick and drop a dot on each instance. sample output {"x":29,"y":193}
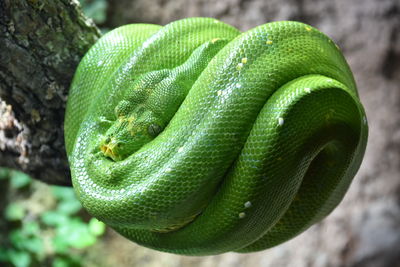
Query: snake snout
{"x":109,"y":147}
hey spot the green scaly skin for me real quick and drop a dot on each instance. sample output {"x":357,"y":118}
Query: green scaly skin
{"x":196,"y":139}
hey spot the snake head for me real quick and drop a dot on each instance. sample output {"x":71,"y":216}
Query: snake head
{"x":128,"y":133}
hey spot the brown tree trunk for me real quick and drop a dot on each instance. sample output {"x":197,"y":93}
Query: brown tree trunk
{"x":41,"y":43}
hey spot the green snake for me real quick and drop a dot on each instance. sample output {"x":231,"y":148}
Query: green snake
{"x":194,"y":138}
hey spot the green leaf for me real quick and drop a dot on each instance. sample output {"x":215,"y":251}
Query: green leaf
{"x":17,"y":238}
{"x":27,"y":239}
{"x":67,"y":262}
{"x":31,"y":228}
{"x":54,"y":218}
{"x":63,"y":193}
{"x":95,"y":10}
{"x":75,"y":234}
{"x":60,"y":262}
{"x":69,"y":207}
{"x":19,"y":179}
{"x":14,"y":212}
{"x":4,"y":173}
{"x":96,"y":227}
{"x":34,"y":245}
{"x":60,"y":245}
{"x":19,"y":258}
{"x":3,"y":255}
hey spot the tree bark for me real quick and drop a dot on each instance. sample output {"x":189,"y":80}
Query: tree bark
{"x":41,"y":44}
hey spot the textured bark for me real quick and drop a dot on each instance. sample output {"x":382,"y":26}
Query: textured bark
{"x":41,"y":43}
{"x":364,"y":230}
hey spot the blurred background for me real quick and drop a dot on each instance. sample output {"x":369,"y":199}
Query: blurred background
{"x":45,"y":226}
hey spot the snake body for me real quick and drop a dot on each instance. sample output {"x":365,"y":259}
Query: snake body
{"x":197,"y":139}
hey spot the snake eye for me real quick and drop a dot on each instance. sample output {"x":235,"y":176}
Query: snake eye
{"x":154,"y":129}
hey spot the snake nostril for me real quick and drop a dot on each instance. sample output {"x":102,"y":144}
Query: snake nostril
{"x":107,"y":140}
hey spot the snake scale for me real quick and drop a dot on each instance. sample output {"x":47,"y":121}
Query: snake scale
{"x":194,"y":138}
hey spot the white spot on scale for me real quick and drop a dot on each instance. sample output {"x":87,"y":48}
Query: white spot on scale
{"x":239,"y":66}
{"x":365,"y":120}
{"x":100,"y":63}
{"x":307,"y":90}
{"x":242,"y":215}
{"x":247,"y":204}
{"x":168,"y":170}
{"x":281,"y":121}
{"x":238,"y":85}
{"x":219,"y":92}
{"x":180,"y":149}
{"x":146,"y":43}
{"x":329,"y":80}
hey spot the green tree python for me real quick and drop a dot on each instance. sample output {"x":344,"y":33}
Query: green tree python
{"x":197,"y":139}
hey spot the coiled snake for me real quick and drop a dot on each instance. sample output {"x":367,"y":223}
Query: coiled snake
{"x":194,"y":138}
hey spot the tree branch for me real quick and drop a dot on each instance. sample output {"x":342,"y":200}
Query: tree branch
{"x":41,"y":44}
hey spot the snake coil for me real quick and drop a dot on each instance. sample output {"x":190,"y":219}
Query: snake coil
{"x":194,"y":138}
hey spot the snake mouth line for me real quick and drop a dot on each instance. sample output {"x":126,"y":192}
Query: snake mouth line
{"x":108,"y":151}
